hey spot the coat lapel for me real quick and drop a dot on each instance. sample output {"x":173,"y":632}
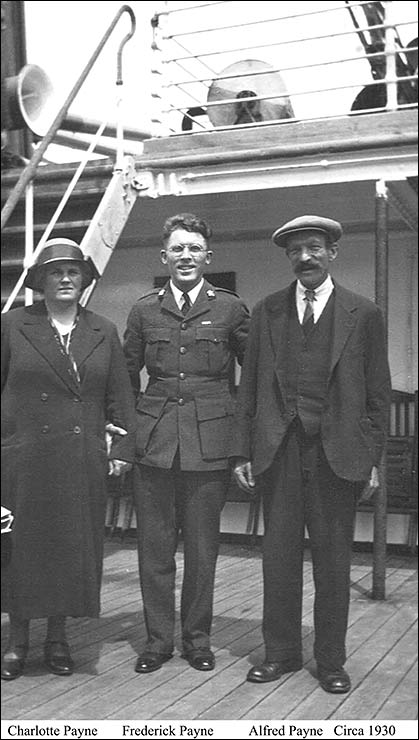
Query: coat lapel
{"x":200,"y":306}
{"x":278,"y":316}
{"x":87,"y":336}
{"x":37,"y":330}
{"x":202,"y":303}
{"x":168,"y":302}
{"x":344,"y":323}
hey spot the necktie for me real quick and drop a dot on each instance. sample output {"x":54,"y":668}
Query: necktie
{"x":308,"y":318}
{"x":186,"y":303}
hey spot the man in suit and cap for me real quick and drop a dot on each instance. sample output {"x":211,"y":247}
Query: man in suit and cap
{"x":187,"y":335}
{"x":312,"y":416}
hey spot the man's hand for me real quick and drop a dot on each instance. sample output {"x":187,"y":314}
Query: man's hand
{"x":118,"y":467}
{"x":244,"y":477}
{"x":371,"y":486}
{"x":110,"y":431}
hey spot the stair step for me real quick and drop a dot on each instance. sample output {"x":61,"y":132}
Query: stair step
{"x":60,"y":226}
{"x":57,"y":172}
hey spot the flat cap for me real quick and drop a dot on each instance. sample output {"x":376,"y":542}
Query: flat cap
{"x":328,"y":226}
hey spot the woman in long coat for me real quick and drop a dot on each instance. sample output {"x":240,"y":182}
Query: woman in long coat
{"x":63,"y":378}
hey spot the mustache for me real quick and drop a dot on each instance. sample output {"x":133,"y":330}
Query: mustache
{"x":306,"y":266}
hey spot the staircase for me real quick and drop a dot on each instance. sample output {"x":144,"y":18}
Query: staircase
{"x":94,"y":216}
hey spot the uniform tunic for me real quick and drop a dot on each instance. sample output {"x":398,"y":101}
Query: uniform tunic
{"x":187,"y":406}
{"x":54,"y":459}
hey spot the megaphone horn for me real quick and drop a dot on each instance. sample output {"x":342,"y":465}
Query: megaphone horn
{"x":29,"y":97}
{"x":30,"y":103}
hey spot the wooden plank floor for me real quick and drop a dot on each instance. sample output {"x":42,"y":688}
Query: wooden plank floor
{"x":382,"y":653}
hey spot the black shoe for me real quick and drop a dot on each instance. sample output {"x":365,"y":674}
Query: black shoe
{"x":12,"y":668}
{"x":271,"y":671}
{"x":57,"y":658}
{"x":201,"y":660}
{"x":334,"y":681}
{"x":149,"y":662}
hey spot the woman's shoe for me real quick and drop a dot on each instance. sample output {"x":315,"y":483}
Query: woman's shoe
{"x":57,"y":658}
{"x":13,"y":663}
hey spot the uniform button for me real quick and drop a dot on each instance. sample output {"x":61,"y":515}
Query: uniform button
{"x":76,"y":430}
{"x":76,"y":400}
{"x":45,"y":429}
{"x":181,"y":401}
{"x":182,"y":350}
{"x":183,"y":326}
{"x":44,"y":396}
{"x":182,"y":376}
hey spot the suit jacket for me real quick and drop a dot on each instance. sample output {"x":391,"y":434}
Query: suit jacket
{"x":187,"y":406}
{"x":354,"y":420}
{"x":54,"y":457}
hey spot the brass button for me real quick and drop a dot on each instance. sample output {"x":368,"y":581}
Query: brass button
{"x":181,"y":402}
{"x":76,"y":430}
{"x":44,"y":396}
{"x":182,"y":350}
{"x":183,"y":326}
{"x":182,"y":376}
{"x":45,"y":429}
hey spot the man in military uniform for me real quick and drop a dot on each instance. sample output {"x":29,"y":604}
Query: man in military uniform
{"x":187,"y":335}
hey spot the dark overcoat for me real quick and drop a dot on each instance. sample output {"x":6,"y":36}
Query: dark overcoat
{"x":188,"y":404}
{"x":54,"y":459}
{"x":354,"y":420}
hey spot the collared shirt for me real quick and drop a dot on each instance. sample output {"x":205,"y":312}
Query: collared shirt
{"x":193,"y":294}
{"x":322,"y":294}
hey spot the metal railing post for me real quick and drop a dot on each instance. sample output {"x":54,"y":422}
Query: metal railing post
{"x":381,"y":299}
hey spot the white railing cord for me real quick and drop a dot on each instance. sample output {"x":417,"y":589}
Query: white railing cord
{"x":29,"y":236}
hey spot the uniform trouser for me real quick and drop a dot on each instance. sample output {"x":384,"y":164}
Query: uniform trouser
{"x":299,"y":490}
{"x":168,"y":501}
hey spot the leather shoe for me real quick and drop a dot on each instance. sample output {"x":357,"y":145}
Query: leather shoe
{"x":334,"y":681}
{"x":201,"y":660}
{"x":271,"y":671}
{"x":149,"y":662}
{"x":12,"y":668}
{"x":57,"y":658}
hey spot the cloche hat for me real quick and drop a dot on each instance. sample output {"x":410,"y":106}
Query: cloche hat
{"x":60,"y":250}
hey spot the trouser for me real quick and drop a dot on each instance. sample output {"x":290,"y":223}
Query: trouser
{"x":300,"y":490}
{"x":169,"y":501}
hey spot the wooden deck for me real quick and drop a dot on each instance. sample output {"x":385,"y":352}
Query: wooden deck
{"x":382,"y":654}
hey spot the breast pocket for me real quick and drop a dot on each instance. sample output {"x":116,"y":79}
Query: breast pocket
{"x":213,"y":348}
{"x":215,"y":421}
{"x":158,"y":342}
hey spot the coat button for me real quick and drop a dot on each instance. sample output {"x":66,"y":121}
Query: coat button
{"x":183,"y":326}
{"x":45,"y":429}
{"x":182,"y":376}
{"x":182,"y":350}
{"x":76,"y":400}
{"x":76,"y":430}
{"x":181,"y":401}
{"x":44,"y":396}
